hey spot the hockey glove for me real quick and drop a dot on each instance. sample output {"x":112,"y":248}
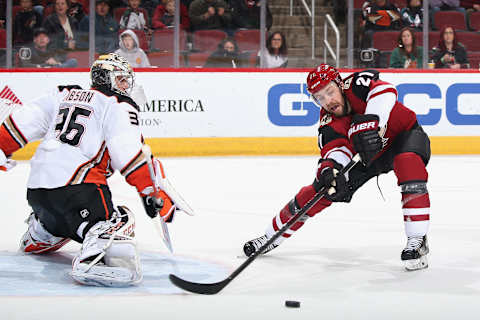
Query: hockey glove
{"x":364,"y":136}
{"x":158,"y":204}
{"x":328,"y":176}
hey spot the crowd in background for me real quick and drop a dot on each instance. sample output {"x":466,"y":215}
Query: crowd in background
{"x":47,"y":32}
{"x":407,"y":18}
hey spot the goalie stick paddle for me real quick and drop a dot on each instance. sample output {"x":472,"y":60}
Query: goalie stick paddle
{"x":213,"y":288}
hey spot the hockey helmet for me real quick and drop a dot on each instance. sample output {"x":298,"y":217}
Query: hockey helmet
{"x":321,"y":76}
{"x":109,"y":69}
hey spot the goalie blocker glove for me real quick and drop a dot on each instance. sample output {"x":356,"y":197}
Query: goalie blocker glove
{"x":328,"y":176}
{"x":158,"y":204}
{"x":364,"y":136}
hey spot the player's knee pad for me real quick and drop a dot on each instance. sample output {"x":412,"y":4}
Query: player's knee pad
{"x":416,"y":141}
{"x":38,"y":240}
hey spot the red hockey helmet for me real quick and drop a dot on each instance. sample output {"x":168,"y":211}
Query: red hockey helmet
{"x":322,"y":75}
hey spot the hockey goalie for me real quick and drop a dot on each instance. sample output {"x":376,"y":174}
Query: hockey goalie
{"x":85,"y":136}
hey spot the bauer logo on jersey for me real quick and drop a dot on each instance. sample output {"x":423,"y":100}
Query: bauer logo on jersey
{"x":84,"y":213}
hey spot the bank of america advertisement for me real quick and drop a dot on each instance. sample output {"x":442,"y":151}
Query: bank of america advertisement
{"x":266,"y":104}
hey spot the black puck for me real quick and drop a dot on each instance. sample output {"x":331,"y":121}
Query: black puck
{"x":292,"y":304}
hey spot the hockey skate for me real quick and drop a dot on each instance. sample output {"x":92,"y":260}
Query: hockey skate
{"x":109,"y":255}
{"x":38,"y":240}
{"x":415,"y":253}
{"x":250,"y":247}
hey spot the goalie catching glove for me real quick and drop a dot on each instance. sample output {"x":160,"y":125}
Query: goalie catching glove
{"x":364,"y":136}
{"x":167,"y":200}
{"x":329,"y":176}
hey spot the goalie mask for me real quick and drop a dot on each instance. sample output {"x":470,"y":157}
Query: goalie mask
{"x":113,"y":72}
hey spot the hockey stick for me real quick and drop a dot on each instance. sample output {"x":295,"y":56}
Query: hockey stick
{"x":213,"y":288}
{"x":159,"y":224}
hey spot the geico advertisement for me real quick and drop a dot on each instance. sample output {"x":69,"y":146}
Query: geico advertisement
{"x":244,"y":104}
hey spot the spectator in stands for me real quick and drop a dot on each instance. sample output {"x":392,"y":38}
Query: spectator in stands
{"x":41,"y":55}
{"x":26,"y":20}
{"x":226,"y":56}
{"x":130,"y":50}
{"x":209,"y":14}
{"x":470,"y":6}
{"x":412,"y":15}
{"x":379,"y":15}
{"x":106,"y":28}
{"x":473,"y":5}
{"x":62,"y":28}
{"x":275,"y":54}
{"x":134,"y":18}
{"x":449,"y":53}
{"x":165,"y":13}
{"x":407,"y":55}
{"x":246,"y":14}
{"x":77,"y":11}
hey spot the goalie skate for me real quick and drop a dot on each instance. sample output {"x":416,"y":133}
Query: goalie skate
{"x":109,"y":256}
{"x":250,"y":247}
{"x":415,"y":253}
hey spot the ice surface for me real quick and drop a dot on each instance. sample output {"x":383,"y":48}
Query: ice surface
{"x":343,"y":264}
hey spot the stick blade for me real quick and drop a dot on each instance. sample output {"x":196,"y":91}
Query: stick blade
{"x":200,"y":288}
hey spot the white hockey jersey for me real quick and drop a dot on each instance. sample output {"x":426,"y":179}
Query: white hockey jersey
{"x":86,"y":136}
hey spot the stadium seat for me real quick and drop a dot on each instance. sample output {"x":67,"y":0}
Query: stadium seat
{"x":3,"y":38}
{"x":142,"y":39}
{"x":248,"y":40}
{"x":453,"y":18}
{"x":474,"y":60}
{"x":197,"y":59}
{"x":433,"y":37}
{"x":164,"y":59}
{"x":82,"y":58}
{"x":385,"y":40}
{"x":118,"y":13}
{"x":471,"y":40}
{"x":162,"y":40}
{"x":475,"y":21}
{"x":357,"y":4}
{"x":207,"y":40}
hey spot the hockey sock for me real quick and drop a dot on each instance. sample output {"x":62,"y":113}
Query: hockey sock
{"x":412,"y":178}
{"x":302,"y":197}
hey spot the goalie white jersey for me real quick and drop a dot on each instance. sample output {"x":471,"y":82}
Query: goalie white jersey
{"x":87,"y":134}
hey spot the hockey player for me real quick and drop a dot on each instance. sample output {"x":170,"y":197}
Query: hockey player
{"x":86,"y":135}
{"x":361,"y":114}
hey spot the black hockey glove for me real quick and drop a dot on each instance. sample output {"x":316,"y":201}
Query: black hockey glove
{"x":328,"y":176}
{"x":364,"y":136}
{"x":152,"y":205}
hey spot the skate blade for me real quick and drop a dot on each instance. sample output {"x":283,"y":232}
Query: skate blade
{"x":106,"y":277}
{"x":416,"y":264}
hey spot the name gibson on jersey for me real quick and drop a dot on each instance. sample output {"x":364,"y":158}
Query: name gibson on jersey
{"x":79,"y":96}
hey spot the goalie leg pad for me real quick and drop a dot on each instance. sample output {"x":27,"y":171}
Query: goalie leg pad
{"x":38,"y":240}
{"x":109,"y":254}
